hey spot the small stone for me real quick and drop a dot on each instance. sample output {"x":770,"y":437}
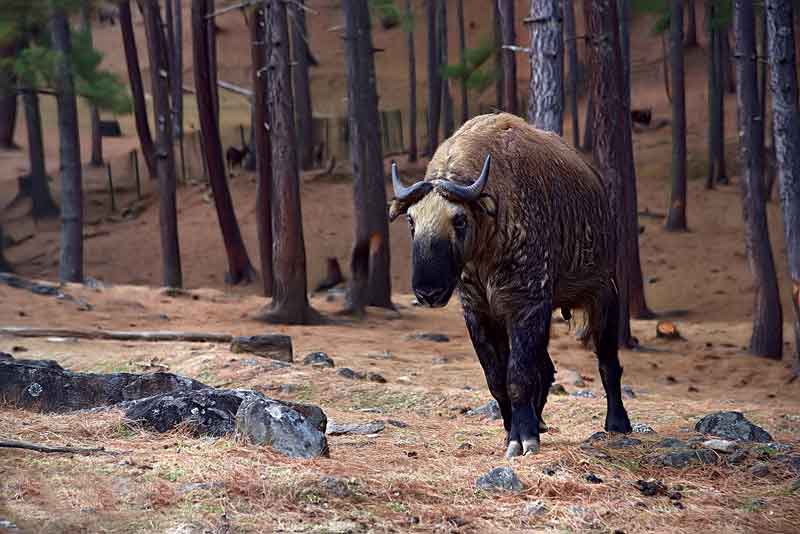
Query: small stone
{"x":675,"y":496}
{"x":551,"y":470}
{"x":19,"y":348}
{"x":439,"y":360}
{"x":500,"y":478}
{"x":732,"y":425}
{"x":795,"y":486}
{"x":535,"y":508}
{"x":274,"y":346}
{"x":429,"y":336}
{"x":761,"y":469}
{"x":318,"y":359}
{"x":397,"y":423}
{"x":490,"y":410}
{"x":651,"y":488}
{"x":597,"y":436}
{"x":623,"y":443}
{"x":339,"y":429}
{"x":583,"y":394}
{"x":678,"y":504}
{"x":720,"y":445}
{"x":346,"y":372}
{"x":641,"y":428}
{"x":628,"y":393}
{"x":375,"y":377}
{"x":593,"y":479}
{"x":738,"y":457}
{"x":684,"y":457}
{"x":671,"y":443}
{"x":692,"y":389}
{"x":335,"y":486}
{"x":557,"y":389}
{"x":570,"y":378}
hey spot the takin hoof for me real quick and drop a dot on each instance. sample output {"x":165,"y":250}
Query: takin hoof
{"x":618,"y":423}
{"x":528,"y":446}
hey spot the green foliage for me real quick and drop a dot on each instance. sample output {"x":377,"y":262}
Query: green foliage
{"x":386,"y":9}
{"x":474,"y":69}
{"x":723,"y":11}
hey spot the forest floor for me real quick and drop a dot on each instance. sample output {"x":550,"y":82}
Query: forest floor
{"x":419,"y":477}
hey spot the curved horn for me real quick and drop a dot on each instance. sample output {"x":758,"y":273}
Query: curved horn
{"x":402,"y":192}
{"x":469,"y":193}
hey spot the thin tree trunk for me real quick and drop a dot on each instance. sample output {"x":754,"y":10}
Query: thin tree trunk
{"x":665,"y":66}
{"x":727,"y":62}
{"x":5,"y":266}
{"x":767,"y":337}
{"x":691,"y":24}
{"x":588,"y":130}
{"x":177,"y":80}
{"x":137,"y":89}
{"x":8,"y":98}
{"x":290,"y":297}
{"x":572,"y":55}
{"x":498,"y":57}
{"x":412,"y":90}
{"x":212,"y":60}
{"x":715,"y":134}
{"x":546,"y":94}
{"x":43,"y":204}
{"x":263,"y":148}
{"x":165,"y":161}
{"x":509,"y":37}
{"x":676,"y":213}
{"x":786,"y":128}
{"x":71,"y":262}
{"x":302,"y":85}
{"x":447,"y":99}
{"x":97,"y":139}
{"x":434,"y":79}
{"x":240,"y":270}
{"x":370,"y":282}
{"x":462,"y":46}
{"x":610,"y":150}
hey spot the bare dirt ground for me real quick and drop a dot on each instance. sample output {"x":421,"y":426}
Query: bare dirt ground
{"x":420,"y":477}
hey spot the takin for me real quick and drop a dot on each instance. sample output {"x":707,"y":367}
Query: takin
{"x":530,"y":234}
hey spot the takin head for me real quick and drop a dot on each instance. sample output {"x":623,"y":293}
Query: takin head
{"x":445,"y":219}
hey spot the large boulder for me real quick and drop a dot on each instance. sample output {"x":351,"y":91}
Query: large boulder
{"x":266,"y":422}
{"x":732,"y":425}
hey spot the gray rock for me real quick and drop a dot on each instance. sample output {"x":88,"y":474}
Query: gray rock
{"x":570,"y":377}
{"x":593,"y":479}
{"x":273,"y":346}
{"x":429,"y":336}
{"x":490,"y":410}
{"x":641,"y":428}
{"x":339,"y":429}
{"x":439,"y":360}
{"x":684,"y":457}
{"x":795,"y":486}
{"x":200,"y":486}
{"x":397,"y":423}
{"x":346,"y":372}
{"x":761,"y":469}
{"x":535,"y":508}
{"x":651,"y":488}
{"x":628,"y":393}
{"x":583,"y":394}
{"x":557,"y":389}
{"x":623,"y":443}
{"x":597,"y":436}
{"x":671,"y":443}
{"x":738,"y":457}
{"x":265,"y":422}
{"x":500,"y":478}
{"x":792,"y":462}
{"x":720,"y":445}
{"x":318,"y":359}
{"x":375,"y":377}
{"x":732,"y":425}
{"x":335,"y":486}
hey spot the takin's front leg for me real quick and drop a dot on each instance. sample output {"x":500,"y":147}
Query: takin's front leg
{"x":528,"y":379}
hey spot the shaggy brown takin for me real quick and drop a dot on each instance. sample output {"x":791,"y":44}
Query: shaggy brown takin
{"x":530,"y":234}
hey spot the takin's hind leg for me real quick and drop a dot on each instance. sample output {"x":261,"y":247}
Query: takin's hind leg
{"x":547,"y":373}
{"x":606,"y":344}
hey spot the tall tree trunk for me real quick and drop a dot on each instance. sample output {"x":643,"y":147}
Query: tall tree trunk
{"x":71,"y":262}
{"x":263,"y":148}
{"x":176,"y":66}
{"x":727,"y":62}
{"x":462,"y":47}
{"x":240,"y":270}
{"x":371,"y":282}
{"x":447,"y":99}
{"x":546,"y":95}
{"x":588,"y":130}
{"x":691,"y":24}
{"x":8,"y":97}
{"x":716,"y":129}
{"x":509,"y":37}
{"x":165,"y":160}
{"x":137,"y":89}
{"x":212,"y":60}
{"x":434,"y":78}
{"x":498,"y":57}
{"x":302,"y":85}
{"x":43,"y":204}
{"x":412,"y":90}
{"x":290,"y":299}
{"x":767,"y":338}
{"x":665,"y":66}
{"x":97,"y":139}
{"x":5,"y":266}
{"x":611,"y":147}
{"x":676,"y":213}
{"x":572,"y":55}
{"x":786,"y":128}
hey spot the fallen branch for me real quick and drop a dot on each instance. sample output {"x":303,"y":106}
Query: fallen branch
{"x":115,"y":335}
{"x":9,"y":444}
{"x":39,"y":288}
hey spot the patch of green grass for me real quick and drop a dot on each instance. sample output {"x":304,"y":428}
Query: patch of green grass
{"x":753,"y":505}
{"x":304,"y":393}
{"x":122,"y":430}
{"x":389,"y":401}
{"x":114,"y":367}
{"x":173,"y":474}
{"x":398,"y":507}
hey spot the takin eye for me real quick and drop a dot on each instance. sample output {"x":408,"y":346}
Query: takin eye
{"x":460,"y":225}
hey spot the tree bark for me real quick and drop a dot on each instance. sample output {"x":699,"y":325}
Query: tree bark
{"x":370,"y":282}
{"x":263,"y":148}
{"x":716,"y":100}
{"x":509,"y":37}
{"x":611,"y":148}
{"x":165,"y":155}
{"x":211,"y":24}
{"x":572,"y":55}
{"x":5,"y":266}
{"x":412,"y":90}
{"x":691,"y":24}
{"x":176,"y":68}
{"x":462,"y":46}
{"x":71,"y":262}
{"x":447,"y":99}
{"x":97,"y":139}
{"x":8,"y":98}
{"x":302,"y":85}
{"x":786,"y":128}
{"x":767,"y":337}
{"x":434,"y":79}
{"x":240,"y":270}
{"x":727,"y":62}
{"x":498,"y":57}
{"x":588,"y":130}
{"x":676,"y":212}
{"x":43,"y":205}
{"x":290,"y":299}
{"x":137,"y":88}
{"x":546,"y":95}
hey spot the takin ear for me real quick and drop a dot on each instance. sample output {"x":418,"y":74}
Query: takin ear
{"x":488,"y":205}
{"x":396,"y":209}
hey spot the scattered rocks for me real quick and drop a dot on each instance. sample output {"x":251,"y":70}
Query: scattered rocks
{"x":651,"y":488}
{"x":265,"y":422}
{"x":671,"y":443}
{"x":490,"y":410}
{"x":732,"y":425}
{"x":429,"y":336}
{"x":340,"y":429}
{"x":583,"y":394}
{"x":593,"y":479}
{"x":534,"y":508}
{"x":761,"y":469}
{"x":641,"y":428}
{"x":720,"y":445}
{"x":273,"y":346}
{"x":551,"y":470}
{"x":318,"y":359}
{"x":335,"y":486}
{"x":375,"y":377}
{"x":557,"y":389}
{"x":346,"y":372}
{"x":684,"y":457}
{"x":623,"y":443}
{"x":500,"y":478}
{"x":628,"y":393}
